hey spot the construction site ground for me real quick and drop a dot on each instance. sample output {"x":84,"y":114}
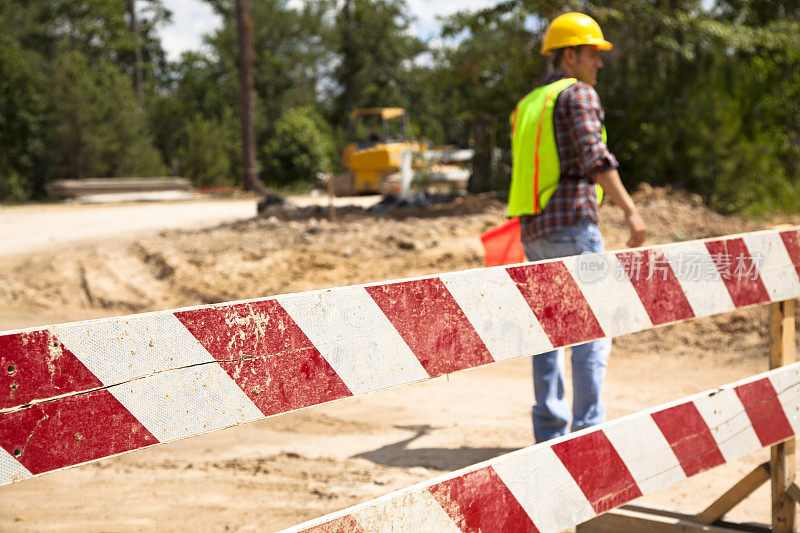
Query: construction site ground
{"x":276,"y":473}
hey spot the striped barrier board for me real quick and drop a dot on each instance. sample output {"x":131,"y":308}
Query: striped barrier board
{"x":78,"y":392}
{"x":556,"y":485}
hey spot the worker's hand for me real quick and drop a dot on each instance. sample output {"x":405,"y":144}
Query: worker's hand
{"x":638,"y":229}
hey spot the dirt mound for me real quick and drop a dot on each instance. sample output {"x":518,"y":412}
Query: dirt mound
{"x":257,"y":257}
{"x":296,"y":249}
{"x":392,"y":207}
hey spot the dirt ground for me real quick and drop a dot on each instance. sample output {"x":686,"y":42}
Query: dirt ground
{"x":276,"y":473}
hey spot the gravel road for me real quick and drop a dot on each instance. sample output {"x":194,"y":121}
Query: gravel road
{"x":40,"y":227}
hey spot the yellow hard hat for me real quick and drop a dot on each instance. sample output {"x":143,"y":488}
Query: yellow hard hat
{"x":573,"y":29}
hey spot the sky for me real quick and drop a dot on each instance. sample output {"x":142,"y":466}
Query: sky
{"x":193,"y":18}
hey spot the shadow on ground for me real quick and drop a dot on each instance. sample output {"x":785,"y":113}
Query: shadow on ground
{"x":446,"y":459}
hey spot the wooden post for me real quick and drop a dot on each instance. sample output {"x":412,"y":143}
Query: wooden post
{"x":782,"y":461}
{"x":331,"y":196}
{"x":794,"y":492}
{"x":735,"y":495}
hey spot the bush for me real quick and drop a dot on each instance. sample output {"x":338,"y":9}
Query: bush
{"x":98,"y":129}
{"x":14,"y":188}
{"x":23,"y":112}
{"x":210,"y":152}
{"x":301,"y":146}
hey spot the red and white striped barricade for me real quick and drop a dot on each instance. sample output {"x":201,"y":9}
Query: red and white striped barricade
{"x":159,"y":377}
{"x":558,"y":484}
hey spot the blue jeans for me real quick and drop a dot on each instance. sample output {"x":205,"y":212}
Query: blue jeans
{"x":551,"y":414}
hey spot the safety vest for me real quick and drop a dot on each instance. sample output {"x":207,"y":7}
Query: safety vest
{"x":536,"y":169}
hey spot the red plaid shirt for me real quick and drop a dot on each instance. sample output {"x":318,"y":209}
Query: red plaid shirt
{"x":577,"y":120}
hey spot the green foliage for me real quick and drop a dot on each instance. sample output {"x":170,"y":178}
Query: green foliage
{"x":301,"y":147}
{"x":14,"y":188}
{"x":210,"y":152}
{"x":201,"y":90}
{"x":494,"y":65}
{"x":701,"y":95}
{"x":705,"y":104}
{"x":23,"y":109}
{"x":377,"y":55}
{"x":66,"y":104}
{"x":293,"y":56}
{"x":704,"y":97}
{"x":97,"y":129}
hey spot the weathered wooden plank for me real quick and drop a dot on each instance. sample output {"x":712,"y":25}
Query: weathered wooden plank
{"x":642,"y":520}
{"x":734,"y":495}
{"x":794,"y":492}
{"x":75,"y":188}
{"x":782,"y":460}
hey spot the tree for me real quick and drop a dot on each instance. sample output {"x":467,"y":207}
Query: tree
{"x":209,"y":150}
{"x":138,"y":80}
{"x":698,"y":100}
{"x":244,"y":30}
{"x":97,"y":129}
{"x":700,"y":96}
{"x":495,"y":64}
{"x":301,"y":147}
{"x":38,"y":40}
{"x":292,"y":55}
{"x":203,"y":88}
{"x":377,"y":53}
{"x":23,"y":111}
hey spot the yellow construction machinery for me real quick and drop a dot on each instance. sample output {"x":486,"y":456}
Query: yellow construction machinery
{"x":381,"y":159}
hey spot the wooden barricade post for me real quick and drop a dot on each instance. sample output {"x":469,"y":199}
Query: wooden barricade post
{"x":782,"y":461}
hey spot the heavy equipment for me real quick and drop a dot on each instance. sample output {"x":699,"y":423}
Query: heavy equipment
{"x":381,"y":159}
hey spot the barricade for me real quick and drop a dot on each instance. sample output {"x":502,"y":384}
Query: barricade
{"x":158,"y":377}
{"x":561,"y":483}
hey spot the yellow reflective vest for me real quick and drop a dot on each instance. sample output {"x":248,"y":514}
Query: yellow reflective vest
{"x":536,"y":167}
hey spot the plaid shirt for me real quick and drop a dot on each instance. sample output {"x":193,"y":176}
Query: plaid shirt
{"x":577,"y":120}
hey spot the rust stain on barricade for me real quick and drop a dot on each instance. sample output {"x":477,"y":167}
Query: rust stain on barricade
{"x":237,"y":335}
{"x":558,"y":303}
{"x":432,"y":324}
{"x":37,"y":366}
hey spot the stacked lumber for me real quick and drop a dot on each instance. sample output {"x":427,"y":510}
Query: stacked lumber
{"x":88,"y":187}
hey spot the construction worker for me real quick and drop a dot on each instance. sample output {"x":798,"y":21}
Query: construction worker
{"x":560,"y":158}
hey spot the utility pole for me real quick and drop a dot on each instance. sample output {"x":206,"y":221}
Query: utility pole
{"x":244,"y":29}
{"x":138,"y":80}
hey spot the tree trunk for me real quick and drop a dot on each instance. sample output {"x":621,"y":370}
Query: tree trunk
{"x":138,"y":79}
{"x":244,"y":29}
{"x":348,"y":53}
{"x":481,"y":179}
{"x":549,"y":12}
